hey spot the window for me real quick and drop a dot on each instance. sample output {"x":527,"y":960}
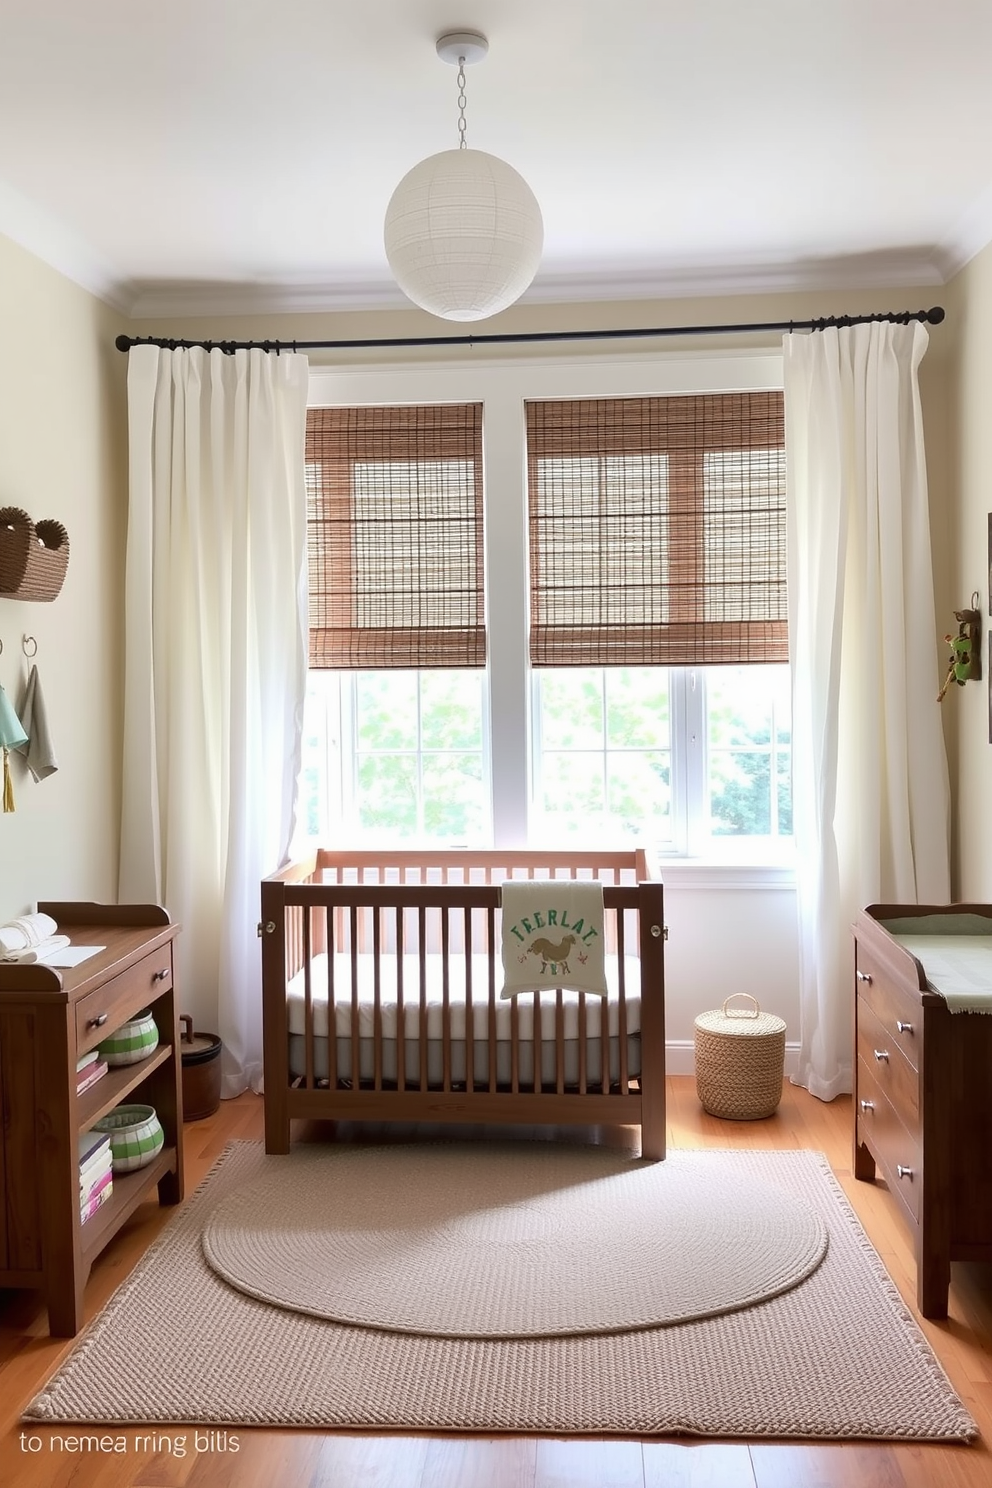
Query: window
{"x":643,"y":536}
{"x":672,"y":756}
{"x":603,"y":754}
{"x":395,"y":756}
{"x":749,"y":752}
{"x":657,"y":557}
{"x":394,"y":740}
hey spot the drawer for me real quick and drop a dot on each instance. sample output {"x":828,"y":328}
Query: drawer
{"x":893,"y":1147}
{"x":894,"y":1074}
{"x":100,"y":1012}
{"x":898,"y":1009}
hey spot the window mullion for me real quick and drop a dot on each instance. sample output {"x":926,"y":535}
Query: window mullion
{"x":692,"y":738}
{"x":420,"y":760}
{"x":349,"y":729}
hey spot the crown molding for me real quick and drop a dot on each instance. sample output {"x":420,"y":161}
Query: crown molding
{"x":599,"y":283}
{"x":971,"y":233}
{"x":52,"y":241}
{"x":290,"y":297}
{"x":49,"y":239}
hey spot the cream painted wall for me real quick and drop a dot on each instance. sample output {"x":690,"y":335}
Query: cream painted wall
{"x":62,"y":455}
{"x":969,"y":405}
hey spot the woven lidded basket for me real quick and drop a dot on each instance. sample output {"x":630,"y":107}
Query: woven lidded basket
{"x":740,"y":1061}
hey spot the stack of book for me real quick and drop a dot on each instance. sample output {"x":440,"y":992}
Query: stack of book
{"x":96,"y":1180}
{"x":89,"y":1068}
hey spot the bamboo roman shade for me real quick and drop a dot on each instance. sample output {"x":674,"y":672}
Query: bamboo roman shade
{"x":395,"y":537}
{"x":657,"y":530}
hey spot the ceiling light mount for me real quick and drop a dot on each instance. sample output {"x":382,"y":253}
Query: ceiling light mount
{"x":463,"y":231}
{"x":459,"y":47}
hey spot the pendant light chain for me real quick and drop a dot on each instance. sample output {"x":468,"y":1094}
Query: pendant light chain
{"x":462,"y":144}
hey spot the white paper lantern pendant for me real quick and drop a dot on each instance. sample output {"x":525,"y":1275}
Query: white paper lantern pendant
{"x":463,"y":230}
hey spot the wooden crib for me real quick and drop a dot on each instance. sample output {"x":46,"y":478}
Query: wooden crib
{"x":381,"y":974}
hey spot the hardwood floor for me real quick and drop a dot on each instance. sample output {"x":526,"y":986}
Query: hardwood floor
{"x":42,"y":1457}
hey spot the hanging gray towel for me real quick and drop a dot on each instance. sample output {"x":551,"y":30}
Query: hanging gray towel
{"x":37,"y":750}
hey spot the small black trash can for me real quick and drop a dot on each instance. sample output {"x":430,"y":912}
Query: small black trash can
{"x":201,"y":1071}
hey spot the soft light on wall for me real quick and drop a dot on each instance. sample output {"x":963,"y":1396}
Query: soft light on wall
{"x":463,"y":230}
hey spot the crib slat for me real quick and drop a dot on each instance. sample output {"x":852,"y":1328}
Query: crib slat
{"x":422,"y":1025}
{"x":514,"y":1046}
{"x":538,"y":1043}
{"x":491,"y":968}
{"x":376,"y":1000}
{"x":353,"y":950}
{"x":559,"y":1041}
{"x":332,"y":1038}
{"x":469,"y":1011}
{"x":307,"y":1000}
{"x":583,"y":1043}
{"x":400,"y":1014}
{"x":445,"y":1000}
{"x":622,"y":1010}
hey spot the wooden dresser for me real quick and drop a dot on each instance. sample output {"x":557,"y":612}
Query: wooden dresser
{"x":923,"y":1094}
{"x":48,"y":1018}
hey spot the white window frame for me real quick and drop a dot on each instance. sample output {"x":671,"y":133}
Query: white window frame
{"x":503,"y":386}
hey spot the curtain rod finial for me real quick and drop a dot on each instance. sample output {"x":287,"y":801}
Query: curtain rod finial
{"x":123,"y":343}
{"x":935,"y":316}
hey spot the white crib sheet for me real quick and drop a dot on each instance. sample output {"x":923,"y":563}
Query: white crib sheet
{"x":457,"y":1000}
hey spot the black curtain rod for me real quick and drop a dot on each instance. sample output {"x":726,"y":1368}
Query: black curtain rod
{"x":902,"y":317}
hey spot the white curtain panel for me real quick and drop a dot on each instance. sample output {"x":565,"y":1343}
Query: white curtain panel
{"x":871,"y":799}
{"x":215,"y":663}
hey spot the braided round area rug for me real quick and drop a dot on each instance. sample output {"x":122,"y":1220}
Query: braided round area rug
{"x":510,"y":1241}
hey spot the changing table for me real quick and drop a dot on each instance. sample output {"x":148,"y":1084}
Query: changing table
{"x":923,"y":1081}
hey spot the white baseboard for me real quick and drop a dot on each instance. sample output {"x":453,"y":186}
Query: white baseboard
{"x":680,"y":1057}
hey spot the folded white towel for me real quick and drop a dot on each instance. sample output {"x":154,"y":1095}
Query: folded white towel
{"x":26,"y":931}
{"x":39,"y":952}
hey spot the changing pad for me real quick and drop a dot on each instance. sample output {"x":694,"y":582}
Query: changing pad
{"x":958,"y":965}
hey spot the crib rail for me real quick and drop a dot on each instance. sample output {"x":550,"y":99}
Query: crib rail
{"x":388,"y":933}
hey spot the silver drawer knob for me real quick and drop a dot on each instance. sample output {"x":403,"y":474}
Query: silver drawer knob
{"x":903,"y":1172}
{"x":882,"y":1055}
{"x":864,"y":976}
{"x":904,"y":1027}
{"x":867,"y":1105}
{"x":98,"y":1021}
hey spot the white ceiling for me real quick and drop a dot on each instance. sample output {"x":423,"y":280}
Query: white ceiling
{"x":189,"y":156}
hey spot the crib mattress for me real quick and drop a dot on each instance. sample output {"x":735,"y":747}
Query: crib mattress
{"x":461,"y":969}
{"x":478,"y":970}
{"x":480,"y":1062}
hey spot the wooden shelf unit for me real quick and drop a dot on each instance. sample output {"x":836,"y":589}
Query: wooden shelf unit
{"x":49,"y":1016}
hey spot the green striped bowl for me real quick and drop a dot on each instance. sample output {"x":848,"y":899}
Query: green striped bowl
{"x":134,"y":1040}
{"x":136,"y":1136}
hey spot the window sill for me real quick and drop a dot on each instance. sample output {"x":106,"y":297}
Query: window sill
{"x":725,"y":873}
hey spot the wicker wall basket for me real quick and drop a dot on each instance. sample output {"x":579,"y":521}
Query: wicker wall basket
{"x":33,"y":556}
{"x":740,"y":1061}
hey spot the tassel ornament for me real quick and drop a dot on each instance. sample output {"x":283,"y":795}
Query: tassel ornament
{"x":8,"y":788}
